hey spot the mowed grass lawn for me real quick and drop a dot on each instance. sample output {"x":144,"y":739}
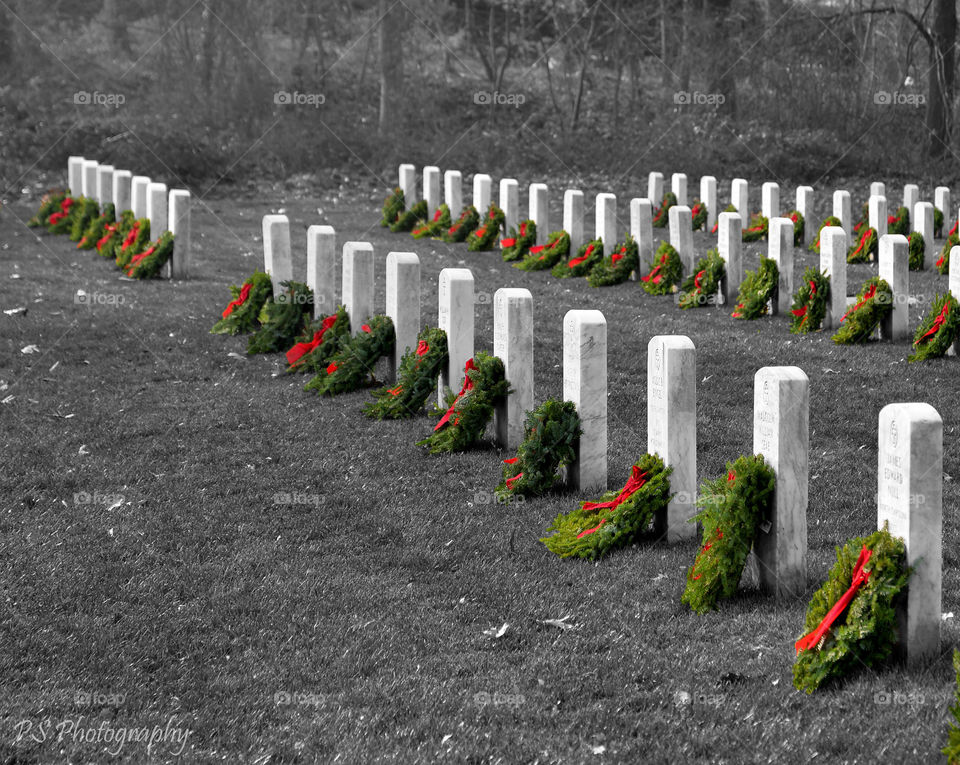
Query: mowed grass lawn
{"x":202,"y":602}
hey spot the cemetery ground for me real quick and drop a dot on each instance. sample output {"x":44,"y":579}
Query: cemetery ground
{"x":188,"y":535}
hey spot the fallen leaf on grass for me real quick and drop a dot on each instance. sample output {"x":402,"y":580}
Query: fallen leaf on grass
{"x":15,"y":311}
{"x":83,"y":449}
{"x":115,"y":505}
{"x":236,"y":356}
{"x":446,"y":738}
{"x":948,"y":615}
{"x":30,"y":349}
{"x":560,"y":623}
{"x":599,"y":749}
{"x":497,"y":632}
{"x":55,"y":365}
{"x":8,"y":399}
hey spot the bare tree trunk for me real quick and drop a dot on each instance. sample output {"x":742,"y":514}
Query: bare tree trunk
{"x":942,"y":76}
{"x":392,"y":26}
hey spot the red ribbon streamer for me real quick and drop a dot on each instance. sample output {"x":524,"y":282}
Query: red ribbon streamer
{"x":131,"y":237}
{"x":332,"y":367}
{"x":578,"y":261}
{"x":244,"y":294}
{"x":508,"y":242}
{"x":467,"y":385}
{"x":937,"y":323}
{"x":860,"y":578}
{"x":631,"y":487}
{"x":869,"y":294}
{"x":302,"y":349}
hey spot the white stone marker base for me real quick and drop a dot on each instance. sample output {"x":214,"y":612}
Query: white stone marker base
{"x":513,"y":345}
{"x":585,"y":384}
{"x":910,"y":500}
{"x":672,"y":428}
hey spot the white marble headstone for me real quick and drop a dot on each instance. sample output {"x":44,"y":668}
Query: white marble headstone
{"x":708,"y":195}
{"x":672,"y":428}
{"x":179,"y":224}
{"x":954,"y":282}
{"x":805,"y":208}
{"x":456,"y":318}
{"x":641,"y":229}
{"x":681,"y":235}
{"x":277,"y":260}
{"x":911,"y":195}
{"x":431,"y":188}
{"x":842,"y":209}
{"x":655,"y":188}
{"x":770,"y":200}
{"x":408,"y":184}
{"x":513,"y":345}
{"x":453,"y":191}
{"x":781,"y":248}
{"x":122,"y":191}
{"x":877,"y":215}
{"x":730,"y":247}
{"x":941,"y":199}
{"x":89,"y":178}
{"x":877,"y":189}
{"x":606,"y":220}
{"x":922,"y":220}
{"x":573,"y":217}
{"x":910,"y":500}
{"x":585,"y":384}
{"x":322,"y":269}
{"x":894,"y":267}
{"x":510,"y":202}
{"x":482,"y":192}
{"x":833,"y":263}
{"x":781,"y":414}
{"x":357,"y":283}
{"x":740,"y":198}
{"x":157,"y":210}
{"x":138,"y":195}
{"x":539,"y":210}
{"x":403,"y":302}
{"x":104,"y":185}
{"x":678,"y":185}
{"x":75,"y":175}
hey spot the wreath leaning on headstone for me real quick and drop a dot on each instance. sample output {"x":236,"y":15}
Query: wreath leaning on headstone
{"x":459,"y":230}
{"x":147,"y":264}
{"x":716,"y":226}
{"x":830,"y":221}
{"x":61,"y":221}
{"x":865,"y":583}
{"x":700,"y":288}
{"x":617,"y":519}
{"x":97,"y":228}
{"x":439,"y":223}
{"x":587,"y":257}
{"x":939,"y":329}
{"x":952,"y":749}
{"x":943,"y":264}
{"x":134,"y":241}
{"x":81,"y":215}
{"x":240,"y":315}
{"x":465,"y":420}
{"x":866,"y":248}
{"x":544,"y":256}
{"x":758,"y":228}
{"x":351,"y":367}
{"x":756,"y":290}
{"x":51,"y":203}
{"x":661,"y":217}
{"x":282,"y":319}
{"x":664,"y":272}
{"x":409,"y":218}
{"x":698,"y":215}
{"x":899,"y":222}
{"x":416,"y":379}
{"x":917,"y":248}
{"x":521,"y":239}
{"x":484,"y":236}
{"x":318,"y":342}
{"x":874,"y":303}
{"x":799,"y":225}
{"x":732,"y":507}
{"x":623,"y":261}
{"x":810,"y":302}
{"x":550,"y":435}
{"x":393,"y":206}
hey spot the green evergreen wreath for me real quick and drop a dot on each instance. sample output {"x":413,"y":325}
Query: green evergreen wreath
{"x":351,"y":367}
{"x":952,"y":749}
{"x":699,"y":215}
{"x":939,"y":329}
{"x":732,"y":507}
{"x":112,"y":247}
{"x":716,"y":226}
{"x":410,"y":218}
{"x":943,"y":263}
{"x":518,"y":244}
{"x":104,"y":245}
{"x":587,"y":257}
{"x":135,"y":241}
{"x":61,"y":221}
{"x":830,"y":221}
{"x":240,"y":315}
{"x":756,"y":290}
{"x":484,"y":236}
{"x":282,"y":319}
{"x":544,"y":256}
{"x":700,"y":288}
{"x":469,"y":219}
{"x":864,"y":223}
{"x":416,"y":379}
{"x":866,"y":248}
{"x":81,"y":215}
{"x":810,"y":302}
{"x":97,"y":228}
{"x":665,"y":271}
{"x":393,"y":207}
{"x":550,"y":435}
{"x":617,"y":519}
{"x":937,"y":222}
{"x":662,"y":215}
{"x":866,"y":637}
{"x":147,"y":264}
{"x":623,"y":261}
{"x":468,"y":413}
{"x":318,"y":342}
{"x":799,"y":224}
{"x":436,"y":226}
{"x":757,"y":230}
{"x":899,"y":223}
{"x":874,"y":303}
{"x":916,"y":250}
{"x":50,"y":203}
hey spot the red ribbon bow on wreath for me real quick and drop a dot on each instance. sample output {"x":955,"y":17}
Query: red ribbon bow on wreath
{"x":937,"y":323}
{"x":300,"y":350}
{"x":634,"y":483}
{"x":586,"y":254}
{"x":860,"y":577}
{"x":467,"y":385}
{"x":869,"y":294}
{"x":244,"y":294}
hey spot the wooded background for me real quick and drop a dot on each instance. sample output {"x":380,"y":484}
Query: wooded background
{"x":789,"y":90}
